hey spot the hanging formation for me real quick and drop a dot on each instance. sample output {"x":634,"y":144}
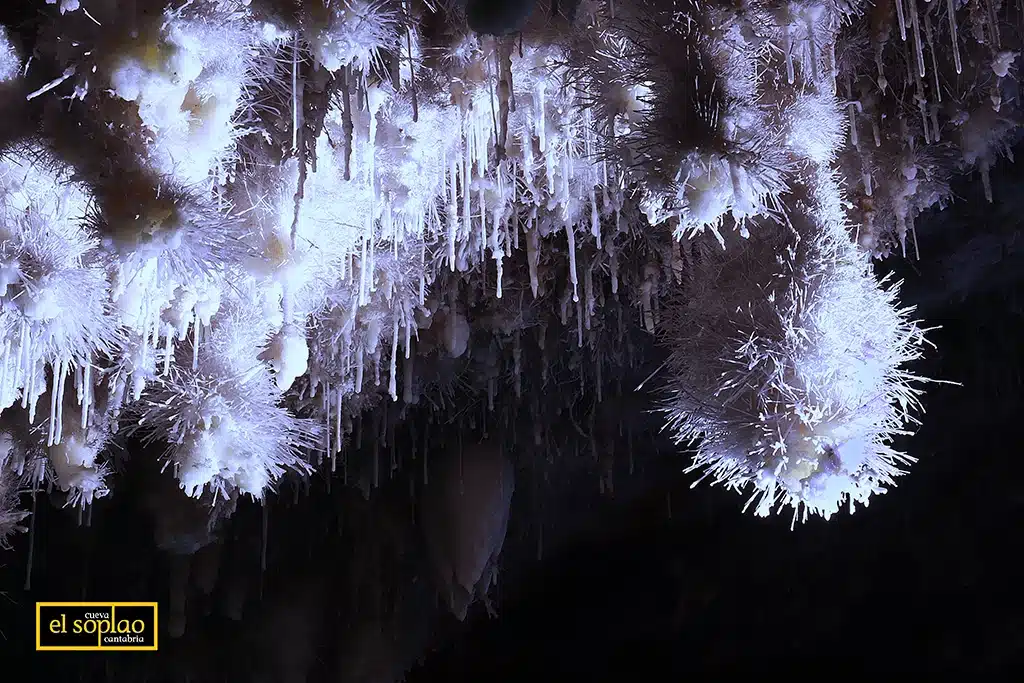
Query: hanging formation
{"x":232,"y":227}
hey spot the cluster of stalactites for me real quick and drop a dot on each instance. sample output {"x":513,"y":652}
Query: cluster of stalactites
{"x":295,"y":182}
{"x":345,"y":243}
{"x":931,"y":92}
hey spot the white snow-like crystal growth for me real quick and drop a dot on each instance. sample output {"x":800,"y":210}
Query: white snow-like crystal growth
{"x":221,"y":417}
{"x":54,"y":299}
{"x":797,"y":392}
{"x":10,"y":62}
{"x":351,"y":32}
{"x":238,"y":224}
{"x":187,"y":76}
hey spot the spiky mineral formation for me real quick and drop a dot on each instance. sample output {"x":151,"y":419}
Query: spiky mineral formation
{"x":238,"y":226}
{"x":802,"y":404}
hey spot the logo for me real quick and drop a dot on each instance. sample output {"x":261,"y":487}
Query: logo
{"x":96,"y":625}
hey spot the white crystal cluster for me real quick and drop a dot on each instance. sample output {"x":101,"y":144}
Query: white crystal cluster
{"x":228,"y":229}
{"x":803,"y":404}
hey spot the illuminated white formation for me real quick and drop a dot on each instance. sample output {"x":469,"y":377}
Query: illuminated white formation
{"x":239,"y":224}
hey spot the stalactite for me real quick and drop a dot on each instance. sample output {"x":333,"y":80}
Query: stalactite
{"x":930,"y":39}
{"x":902,"y":20}
{"x":915,"y":24}
{"x":345,"y":78}
{"x":951,"y":15}
{"x":393,"y":374}
{"x":571,"y":239}
{"x":787,"y":49}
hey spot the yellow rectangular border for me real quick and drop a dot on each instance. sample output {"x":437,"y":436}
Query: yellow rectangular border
{"x":112,"y":606}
